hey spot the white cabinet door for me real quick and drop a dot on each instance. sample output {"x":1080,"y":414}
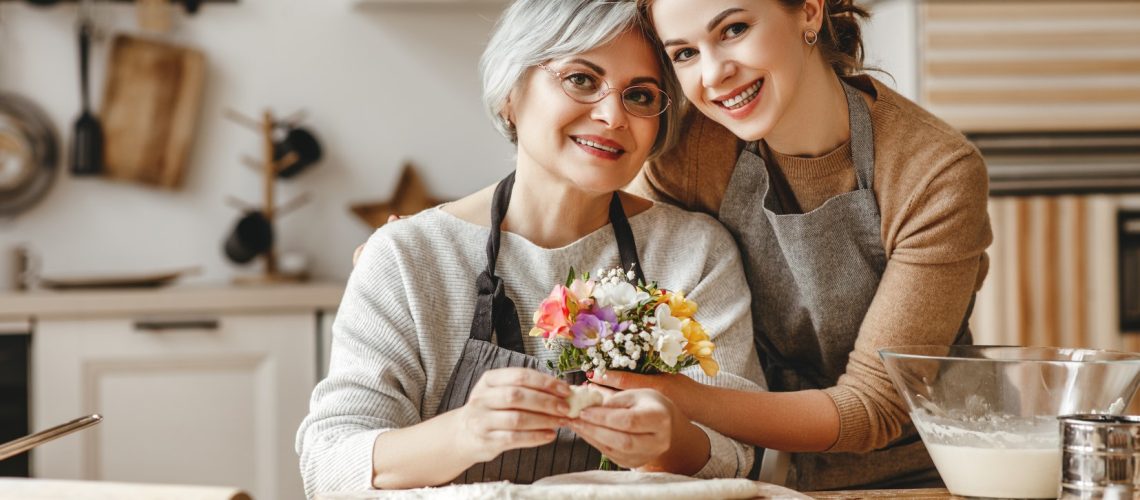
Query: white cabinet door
{"x":214,"y":401}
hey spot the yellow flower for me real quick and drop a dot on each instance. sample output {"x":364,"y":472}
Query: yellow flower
{"x":699,"y":346}
{"x":680,"y":306}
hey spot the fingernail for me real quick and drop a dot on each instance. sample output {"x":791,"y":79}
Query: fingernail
{"x":590,"y":374}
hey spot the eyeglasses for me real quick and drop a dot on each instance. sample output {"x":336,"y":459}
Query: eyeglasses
{"x":585,"y":88}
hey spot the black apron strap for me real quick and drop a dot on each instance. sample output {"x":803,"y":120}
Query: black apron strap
{"x":494,"y":311}
{"x":627,"y":246}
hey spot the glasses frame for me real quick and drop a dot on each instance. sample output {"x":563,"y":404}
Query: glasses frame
{"x":607,"y":90}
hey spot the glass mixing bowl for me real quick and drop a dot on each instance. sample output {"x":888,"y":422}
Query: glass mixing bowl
{"x":988,"y":414}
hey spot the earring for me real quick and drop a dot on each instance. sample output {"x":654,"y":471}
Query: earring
{"x":811,"y":37}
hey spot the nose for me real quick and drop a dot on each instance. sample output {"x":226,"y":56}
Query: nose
{"x":715,"y":68}
{"x":610,"y":111}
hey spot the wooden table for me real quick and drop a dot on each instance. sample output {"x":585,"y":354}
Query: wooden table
{"x":923,"y":494}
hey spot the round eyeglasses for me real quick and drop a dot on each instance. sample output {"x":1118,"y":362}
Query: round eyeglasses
{"x":639,"y":100}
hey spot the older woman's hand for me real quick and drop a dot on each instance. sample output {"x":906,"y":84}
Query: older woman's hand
{"x":632,"y":428}
{"x":681,"y":390}
{"x":511,"y":408}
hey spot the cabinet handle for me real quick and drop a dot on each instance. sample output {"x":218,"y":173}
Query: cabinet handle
{"x":157,"y":326}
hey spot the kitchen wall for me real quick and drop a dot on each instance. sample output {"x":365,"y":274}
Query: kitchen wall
{"x":381,"y":85}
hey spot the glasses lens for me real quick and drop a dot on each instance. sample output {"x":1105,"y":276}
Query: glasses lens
{"x":582,"y":87}
{"x":644,"y":101}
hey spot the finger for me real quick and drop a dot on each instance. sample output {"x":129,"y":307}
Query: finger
{"x":525,"y":377}
{"x":605,"y":391}
{"x":393,"y":218}
{"x":618,"y":419}
{"x":356,"y":254}
{"x":625,"y":380}
{"x":613,"y":442}
{"x":510,"y":420}
{"x":509,"y":440}
{"x":524,"y":399}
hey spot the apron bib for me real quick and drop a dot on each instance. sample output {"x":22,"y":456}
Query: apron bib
{"x":495,"y":314}
{"x":813,"y":277}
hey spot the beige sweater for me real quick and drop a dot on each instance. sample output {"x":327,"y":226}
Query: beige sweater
{"x":932,"y":187}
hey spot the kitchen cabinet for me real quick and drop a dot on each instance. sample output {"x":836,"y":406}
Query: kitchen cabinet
{"x":201,"y":387}
{"x":1031,"y":65}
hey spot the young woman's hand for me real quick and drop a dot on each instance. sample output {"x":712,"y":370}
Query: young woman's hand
{"x":633,"y":428}
{"x":356,"y":253}
{"x":511,"y":408}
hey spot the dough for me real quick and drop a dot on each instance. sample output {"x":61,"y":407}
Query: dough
{"x":582,"y":397}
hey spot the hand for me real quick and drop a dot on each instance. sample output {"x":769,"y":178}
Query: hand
{"x":677,"y":388}
{"x":359,"y":249}
{"x":511,"y":408}
{"x":632,"y":428}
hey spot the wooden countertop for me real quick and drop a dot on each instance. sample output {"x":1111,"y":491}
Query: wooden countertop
{"x":923,"y":494}
{"x":22,"y":306}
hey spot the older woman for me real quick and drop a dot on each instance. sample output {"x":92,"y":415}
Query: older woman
{"x":418,"y":392}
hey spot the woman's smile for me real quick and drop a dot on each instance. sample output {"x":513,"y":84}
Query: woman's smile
{"x":598,"y":146}
{"x":741,"y":101}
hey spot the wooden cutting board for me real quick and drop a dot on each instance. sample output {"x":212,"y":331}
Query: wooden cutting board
{"x":150,"y":110}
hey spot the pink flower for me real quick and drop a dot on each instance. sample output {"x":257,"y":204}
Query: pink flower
{"x":553,"y":317}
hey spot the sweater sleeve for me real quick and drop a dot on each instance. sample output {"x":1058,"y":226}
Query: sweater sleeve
{"x":935,"y":267}
{"x":376,"y":379}
{"x":723,"y":302}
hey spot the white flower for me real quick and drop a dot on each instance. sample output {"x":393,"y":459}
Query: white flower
{"x":617,"y":362}
{"x":592,"y":351}
{"x":586,"y":367}
{"x":621,"y":296}
{"x":629,"y":347}
{"x":668,"y":339}
{"x":643,"y":336}
{"x":630,"y":275}
{"x":607,"y":345}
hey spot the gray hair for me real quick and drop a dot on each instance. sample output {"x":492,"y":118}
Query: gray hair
{"x":531,"y":32}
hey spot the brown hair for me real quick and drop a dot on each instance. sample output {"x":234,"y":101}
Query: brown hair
{"x":840,"y":38}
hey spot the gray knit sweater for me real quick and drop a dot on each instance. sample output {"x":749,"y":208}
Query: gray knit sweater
{"x":407,"y":311}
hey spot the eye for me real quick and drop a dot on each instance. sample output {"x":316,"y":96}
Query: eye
{"x":640,"y":96}
{"x":735,"y":29}
{"x":683,"y":55}
{"x":581,"y":81}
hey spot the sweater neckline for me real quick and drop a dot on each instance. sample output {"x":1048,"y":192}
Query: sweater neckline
{"x":605,"y":231}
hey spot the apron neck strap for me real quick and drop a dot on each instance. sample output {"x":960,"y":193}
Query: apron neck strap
{"x":627,"y":246}
{"x":862,"y":137}
{"x":495,"y":312}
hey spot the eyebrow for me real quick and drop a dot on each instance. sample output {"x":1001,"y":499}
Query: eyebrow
{"x":711,"y":26}
{"x":602,"y":72}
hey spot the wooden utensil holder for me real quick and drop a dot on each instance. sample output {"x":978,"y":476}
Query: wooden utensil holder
{"x":268,"y":170}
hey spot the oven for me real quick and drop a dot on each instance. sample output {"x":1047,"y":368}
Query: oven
{"x":15,"y":344}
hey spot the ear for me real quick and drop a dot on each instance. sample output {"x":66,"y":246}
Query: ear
{"x":813,"y":14}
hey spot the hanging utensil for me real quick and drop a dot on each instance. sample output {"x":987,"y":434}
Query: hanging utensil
{"x":87,"y":145}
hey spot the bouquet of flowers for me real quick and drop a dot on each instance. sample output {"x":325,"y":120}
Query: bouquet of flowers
{"x":608,"y":323}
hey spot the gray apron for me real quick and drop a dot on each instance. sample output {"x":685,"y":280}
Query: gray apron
{"x":495,"y":313}
{"x":812,"y":278}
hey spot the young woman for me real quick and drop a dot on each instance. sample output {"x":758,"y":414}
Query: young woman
{"x":431,"y":379}
{"x":861,"y":219}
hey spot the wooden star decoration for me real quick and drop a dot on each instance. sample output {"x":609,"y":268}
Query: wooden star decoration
{"x":411,"y":196}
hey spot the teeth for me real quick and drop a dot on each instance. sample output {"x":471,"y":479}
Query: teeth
{"x":743,"y":98}
{"x":595,"y":145}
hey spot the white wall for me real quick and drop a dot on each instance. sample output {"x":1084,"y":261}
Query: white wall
{"x":381,"y":85}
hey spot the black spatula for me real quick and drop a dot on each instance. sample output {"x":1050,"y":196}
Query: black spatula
{"x":87,"y":148}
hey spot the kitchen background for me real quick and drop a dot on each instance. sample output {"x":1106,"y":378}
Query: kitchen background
{"x":382,"y":82}
{"x":1048,"y":88}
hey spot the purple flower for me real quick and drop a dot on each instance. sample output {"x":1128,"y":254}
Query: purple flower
{"x":593,"y":325}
